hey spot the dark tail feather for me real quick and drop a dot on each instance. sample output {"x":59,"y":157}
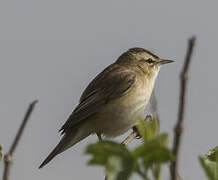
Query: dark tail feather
{"x":54,"y":153}
{"x":57,"y":150}
{"x":66,"y":142}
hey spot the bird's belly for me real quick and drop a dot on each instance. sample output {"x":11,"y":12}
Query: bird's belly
{"x":120,"y":115}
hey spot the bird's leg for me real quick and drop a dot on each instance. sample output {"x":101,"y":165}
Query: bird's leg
{"x":134,"y":128}
{"x":99,"y":136}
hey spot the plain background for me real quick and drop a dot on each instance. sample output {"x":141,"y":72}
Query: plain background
{"x":50,"y":50}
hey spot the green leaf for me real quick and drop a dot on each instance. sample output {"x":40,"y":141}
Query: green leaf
{"x":118,"y":161}
{"x":119,"y":168}
{"x":157,"y":155}
{"x":158,"y":141}
{"x":212,"y":154}
{"x":208,"y":170}
{"x":148,"y":130}
{"x":161,"y":140}
{"x":210,"y":163}
{"x":154,"y":151}
{"x":102,"y":150}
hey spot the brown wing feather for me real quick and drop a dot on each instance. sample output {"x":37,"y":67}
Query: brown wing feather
{"x":105,"y":87}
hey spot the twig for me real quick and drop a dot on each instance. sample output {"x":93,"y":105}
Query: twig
{"x":182,"y":101}
{"x":8,"y":158}
{"x":129,"y":139}
{"x":0,"y":152}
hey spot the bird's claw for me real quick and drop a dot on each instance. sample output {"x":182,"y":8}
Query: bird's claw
{"x":136,"y":130}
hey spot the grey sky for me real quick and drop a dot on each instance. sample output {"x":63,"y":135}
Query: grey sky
{"x":50,"y":50}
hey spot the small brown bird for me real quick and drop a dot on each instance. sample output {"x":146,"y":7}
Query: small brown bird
{"x":112,"y":102}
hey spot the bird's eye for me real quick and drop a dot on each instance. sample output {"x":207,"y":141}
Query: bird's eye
{"x":149,"y":60}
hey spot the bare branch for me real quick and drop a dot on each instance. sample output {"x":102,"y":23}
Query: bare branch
{"x":129,"y":139}
{"x":182,"y":102}
{"x":0,"y":152}
{"x":8,"y":157}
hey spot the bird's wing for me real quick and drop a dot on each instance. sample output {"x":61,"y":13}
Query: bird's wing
{"x":105,"y":87}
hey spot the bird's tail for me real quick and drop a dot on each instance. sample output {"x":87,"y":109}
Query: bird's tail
{"x":66,"y":142}
{"x":54,"y":153}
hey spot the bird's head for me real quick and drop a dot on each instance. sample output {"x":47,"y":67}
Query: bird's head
{"x":144,"y":58}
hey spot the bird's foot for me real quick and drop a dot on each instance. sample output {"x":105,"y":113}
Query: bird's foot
{"x":136,"y":130}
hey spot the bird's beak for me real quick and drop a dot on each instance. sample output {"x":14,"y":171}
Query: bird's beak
{"x":165,"y":61}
